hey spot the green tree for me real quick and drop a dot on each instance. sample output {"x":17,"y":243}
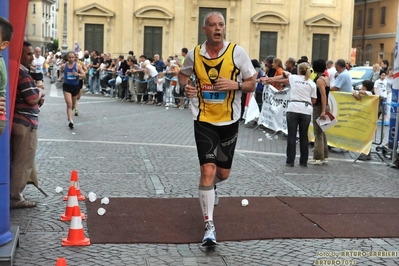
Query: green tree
{"x":55,"y":44}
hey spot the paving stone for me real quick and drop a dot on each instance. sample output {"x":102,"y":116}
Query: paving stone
{"x":118,"y":146}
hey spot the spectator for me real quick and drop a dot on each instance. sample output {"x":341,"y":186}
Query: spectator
{"x":331,"y":72}
{"x":290,"y":65}
{"x":367,"y":89}
{"x":151,"y":75}
{"x":95,"y":75}
{"x":160,"y":81}
{"x":278,"y":66}
{"x":23,"y":135}
{"x":376,"y":72}
{"x":258,"y":89}
{"x":343,"y":82}
{"x":184,"y":52}
{"x":299,"y":111}
{"x":81,"y":81}
{"x":177,"y":92}
{"x":380,"y":89}
{"x":121,"y":68}
{"x":389,"y":79}
{"x":77,"y":47}
{"x":320,"y":107}
{"x":159,"y":64}
{"x":131,"y":73}
{"x":384,"y":65}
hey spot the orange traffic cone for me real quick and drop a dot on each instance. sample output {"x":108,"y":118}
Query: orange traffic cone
{"x":61,"y":262}
{"x":76,"y":235}
{"x":74,"y":181}
{"x":72,"y":202}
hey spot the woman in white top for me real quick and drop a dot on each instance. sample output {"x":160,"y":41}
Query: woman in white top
{"x":299,"y":111}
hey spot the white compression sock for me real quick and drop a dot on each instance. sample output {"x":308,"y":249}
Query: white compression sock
{"x":207,"y":201}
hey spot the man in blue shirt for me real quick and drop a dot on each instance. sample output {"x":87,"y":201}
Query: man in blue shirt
{"x":159,"y":64}
{"x":343,"y":82}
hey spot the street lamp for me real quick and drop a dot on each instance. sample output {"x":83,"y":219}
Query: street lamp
{"x":64,"y":45}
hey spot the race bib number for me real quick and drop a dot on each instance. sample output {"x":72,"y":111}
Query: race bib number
{"x":211,"y":96}
{"x":70,"y":75}
{"x":38,"y":69}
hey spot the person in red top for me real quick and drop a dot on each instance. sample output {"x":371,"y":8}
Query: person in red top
{"x":23,"y":135}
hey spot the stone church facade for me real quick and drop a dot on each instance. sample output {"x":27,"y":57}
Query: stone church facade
{"x":285,"y":28}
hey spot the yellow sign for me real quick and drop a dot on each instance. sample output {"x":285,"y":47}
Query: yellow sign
{"x":357,"y":122}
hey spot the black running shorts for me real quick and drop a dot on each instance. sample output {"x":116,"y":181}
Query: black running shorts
{"x":216,"y":144}
{"x":72,"y":89}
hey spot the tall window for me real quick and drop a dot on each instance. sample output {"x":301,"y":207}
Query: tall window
{"x":33,"y":29}
{"x":359,"y":23}
{"x":34,"y":9}
{"x":368,"y":52}
{"x":383,"y":12}
{"x":370,"y":17}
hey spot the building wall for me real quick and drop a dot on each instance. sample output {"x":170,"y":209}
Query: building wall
{"x":294,"y":21}
{"x":379,"y":37}
{"x":41,"y":18}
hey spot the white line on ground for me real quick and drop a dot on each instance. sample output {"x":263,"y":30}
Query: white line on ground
{"x":192,"y":147}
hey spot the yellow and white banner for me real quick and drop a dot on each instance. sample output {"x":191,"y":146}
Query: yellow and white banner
{"x":357,"y":122}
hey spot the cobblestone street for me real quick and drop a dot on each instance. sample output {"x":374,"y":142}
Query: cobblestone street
{"x":120,"y":148}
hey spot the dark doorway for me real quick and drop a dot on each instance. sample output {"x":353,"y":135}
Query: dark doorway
{"x":94,"y":37}
{"x":152,"y":41}
{"x":320,"y":46}
{"x":268,"y":44}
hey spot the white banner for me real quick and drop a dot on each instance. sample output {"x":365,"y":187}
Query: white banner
{"x":274,"y":107}
{"x":251,"y":108}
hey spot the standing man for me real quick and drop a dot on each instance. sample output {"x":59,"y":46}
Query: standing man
{"x":95,"y":78}
{"x":331,"y":72}
{"x":159,"y":64}
{"x":222,"y":72}
{"x":343,"y":82}
{"x":23,"y":135}
{"x":184,"y":52}
{"x":384,"y":65}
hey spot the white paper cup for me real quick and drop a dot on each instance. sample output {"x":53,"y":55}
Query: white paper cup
{"x":91,"y":194}
{"x":101,"y":211}
{"x":92,"y":198}
{"x":260,"y":139}
{"x":105,"y":200}
{"x":58,"y":189}
{"x":244,"y":202}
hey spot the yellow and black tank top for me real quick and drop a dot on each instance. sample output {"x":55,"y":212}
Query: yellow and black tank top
{"x":215,"y":106}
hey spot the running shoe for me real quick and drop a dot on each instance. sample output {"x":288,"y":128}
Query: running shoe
{"x":210,"y":235}
{"x":70,"y":125}
{"x":216,"y":196}
{"x":76,"y":112}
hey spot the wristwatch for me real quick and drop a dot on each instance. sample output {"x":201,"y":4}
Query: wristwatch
{"x":239,"y":86}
